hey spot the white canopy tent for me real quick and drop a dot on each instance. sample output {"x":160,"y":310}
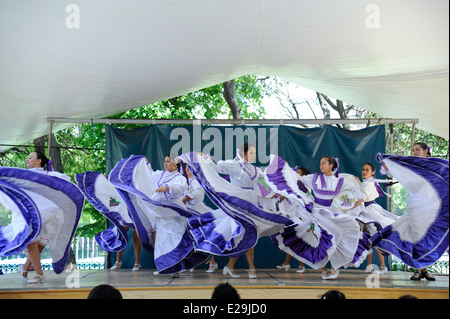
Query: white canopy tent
{"x":91,"y":59}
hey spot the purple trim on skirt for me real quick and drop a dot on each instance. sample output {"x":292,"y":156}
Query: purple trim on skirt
{"x":181,"y":257}
{"x":60,"y":185}
{"x":436,"y":239}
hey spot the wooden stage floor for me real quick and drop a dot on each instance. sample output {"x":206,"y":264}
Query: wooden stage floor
{"x":270,"y":284}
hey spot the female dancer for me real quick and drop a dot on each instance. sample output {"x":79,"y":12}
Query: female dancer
{"x":373,"y":212}
{"x":239,"y":200}
{"x":352,"y":245}
{"x":193,"y":199}
{"x":422,"y":150}
{"x":420,"y":236}
{"x":285,"y":209}
{"x":46,"y":208}
{"x":245,"y":175}
{"x":212,"y":230}
{"x":158,"y":213}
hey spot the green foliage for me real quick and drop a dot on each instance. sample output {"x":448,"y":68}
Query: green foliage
{"x":402,"y":141}
{"x":207,"y":103}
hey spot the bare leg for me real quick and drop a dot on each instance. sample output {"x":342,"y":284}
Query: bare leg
{"x":288,"y":259}
{"x":212,"y":263}
{"x":250,"y":254}
{"x":231,"y":263}
{"x":369,"y":259}
{"x":137,"y":248}
{"x":381,"y":258}
{"x":34,"y":255}
{"x":119,"y":257}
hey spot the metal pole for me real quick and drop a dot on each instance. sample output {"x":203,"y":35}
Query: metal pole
{"x":413,"y":136}
{"x":49,"y":142}
{"x":391,"y":151}
{"x":233,"y":122}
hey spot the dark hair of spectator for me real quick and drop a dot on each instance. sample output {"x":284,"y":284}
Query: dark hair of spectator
{"x":104,"y":292}
{"x":225,"y":291}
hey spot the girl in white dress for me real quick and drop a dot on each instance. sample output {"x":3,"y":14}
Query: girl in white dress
{"x":245,"y":175}
{"x":422,"y":150}
{"x":154,"y":200}
{"x":373,"y":211}
{"x":214,"y":231}
{"x":421,"y":235}
{"x":352,"y":244}
{"x":52,"y":218}
{"x":285,"y":208}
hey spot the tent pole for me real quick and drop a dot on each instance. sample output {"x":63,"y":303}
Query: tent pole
{"x":391,"y":151}
{"x":232,"y":122}
{"x":413,"y":135}
{"x":49,"y":142}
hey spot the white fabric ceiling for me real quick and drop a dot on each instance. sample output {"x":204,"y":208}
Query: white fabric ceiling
{"x":130,"y":53}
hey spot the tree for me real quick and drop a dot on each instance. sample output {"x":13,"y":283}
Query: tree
{"x":320,"y":106}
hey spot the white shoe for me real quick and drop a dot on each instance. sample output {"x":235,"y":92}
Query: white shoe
{"x":136,"y":267}
{"x":383,"y":271}
{"x":336,"y":274}
{"x":156,"y":273}
{"x":285,"y":267}
{"x":117,"y":265}
{"x":213,"y":267}
{"x":228,"y":271}
{"x":250,"y":275}
{"x":325,"y":275}
{"x":36,"y":280}
{"x":301,"y":270}
{"x":21,"y":271}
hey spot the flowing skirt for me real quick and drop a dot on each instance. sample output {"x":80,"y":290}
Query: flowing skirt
{"x":257,"y":219}
{"x":375,"y":218}
{"x":337,"y":237}
{"x":106,"y":199}
{"x":44,"y":207}
{"x":420,"y":236}
{"x":173,"y":246}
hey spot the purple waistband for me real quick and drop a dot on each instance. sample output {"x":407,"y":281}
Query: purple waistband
{"x":323,"y":202}
{"x":369,"y":203}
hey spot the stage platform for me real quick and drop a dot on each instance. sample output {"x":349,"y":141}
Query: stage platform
{"x":270,"y":284}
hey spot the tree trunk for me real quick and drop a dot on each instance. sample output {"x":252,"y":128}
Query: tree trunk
{"x":338,"y":107}
{"x":55,"y":152}
{"x":229,"y":94}
{"x":39,"y":145}
{"x":325,"y":110}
